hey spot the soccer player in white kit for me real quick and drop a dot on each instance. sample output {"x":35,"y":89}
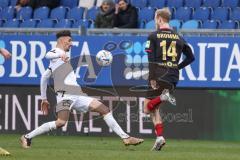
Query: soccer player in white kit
{"x":67,"y":101}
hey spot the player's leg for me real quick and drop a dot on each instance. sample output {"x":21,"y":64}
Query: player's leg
{"x":158,"y":126}
{"x":62,"y":118}
{"x":97,"y":106}
{"x":145,"y":109}
{"x":158,"y":96}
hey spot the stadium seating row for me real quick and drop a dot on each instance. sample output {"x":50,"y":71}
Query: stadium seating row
{"x":151,"y":3}
{"x":68,"y":23}
{"x":194,"y":24}
{"x":67,"y":3}
{"x":186,"y":3}
{"x":45,"y":23}
{"x":146,"y":14}
{"x":201,"y":13}
{"x":61,"y":12}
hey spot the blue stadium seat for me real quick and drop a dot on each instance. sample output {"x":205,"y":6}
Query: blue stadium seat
{"x":146,"y":14}
{"x":150,"y":25}
{"x":41,"y":13}
{"x":58,"y":13}
{"x":220,"y":13}
{"x":230,"y":3}
{"x":30,"y":23}
{"x":76,"y":13}
{"x":202,"y":13}
{"x":11,"y":23}
{"x":175,"y":23}
{"x":210,"y":24}
{"x":183,"y":13}
{"x":91,"y":13}
{"x":64,"y":23}
{"x":1,"y":22}
{"x":235,"y":16}
{"x":139,"y":3}
{"x":157,"y":3}
{"x":81,"y":22}
{"x":175,"y":3}
{"x":141,"y":24}
{"x":212,"y":3}
{"x":46,"y":23}
{"x":13,"y":2}
{"x":193,"y":4}
{"x":24,"y":13}
{"x":228,"y":25}
{"x":7,"y":13}
{"x":69,"y":3}
{"x":4,"y":3}
{"x":191,"y":24}
{"x":173,"y":12}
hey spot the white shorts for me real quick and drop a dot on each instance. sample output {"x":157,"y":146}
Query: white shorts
{"x":76,"y":102}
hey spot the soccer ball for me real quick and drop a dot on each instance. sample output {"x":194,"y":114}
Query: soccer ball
{"x":104,"y":58}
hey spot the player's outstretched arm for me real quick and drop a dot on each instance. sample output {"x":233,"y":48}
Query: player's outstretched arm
{"x":6,"y":54}
{"x":43,"y":87}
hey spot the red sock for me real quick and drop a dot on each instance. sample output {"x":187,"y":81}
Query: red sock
{"x":151,"y":104}
{"x":159,"y":129}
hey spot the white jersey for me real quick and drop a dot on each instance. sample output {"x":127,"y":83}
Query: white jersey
{"x":55,"y":62}
{"x":54,"y":57}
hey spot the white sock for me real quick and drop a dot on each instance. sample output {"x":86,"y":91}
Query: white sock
{"x":46,"y":127}
{"x":111,"y":122}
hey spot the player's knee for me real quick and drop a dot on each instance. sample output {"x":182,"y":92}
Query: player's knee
{"x":60,"y":123}
{"x":103,"y":109}
{"x":146,"y":111}
{"x":97,"y":106}
{"x":147,"y":107}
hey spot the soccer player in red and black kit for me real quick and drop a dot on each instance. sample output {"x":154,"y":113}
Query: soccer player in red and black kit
{"x":164,"y":48}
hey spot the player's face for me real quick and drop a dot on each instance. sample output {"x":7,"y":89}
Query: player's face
{"x":122,"y":5}
{"x":67,"y":43}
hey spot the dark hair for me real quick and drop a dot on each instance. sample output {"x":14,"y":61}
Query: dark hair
{"x":63,"y":33}
{"x":126,"y":1}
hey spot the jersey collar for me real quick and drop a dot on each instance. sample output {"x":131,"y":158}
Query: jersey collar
{"x":165,"y":28}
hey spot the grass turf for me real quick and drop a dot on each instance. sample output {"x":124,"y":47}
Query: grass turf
{"x":106,"y":148}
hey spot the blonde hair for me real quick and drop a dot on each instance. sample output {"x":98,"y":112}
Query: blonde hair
{"x":163,"y":13}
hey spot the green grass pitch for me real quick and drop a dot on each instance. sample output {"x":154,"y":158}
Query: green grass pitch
{"x":107,"y":148}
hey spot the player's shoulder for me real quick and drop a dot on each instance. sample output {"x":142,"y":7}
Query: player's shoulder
{"x":54,"y":50}
{"x":176,"y":32}
{"x":152,"y":35}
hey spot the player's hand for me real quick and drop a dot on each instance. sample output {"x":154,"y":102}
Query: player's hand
{"x":45,"y":106}
{"x":154,"y":84}
{"x":6,"y":54}
{"x":116,"y":8}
